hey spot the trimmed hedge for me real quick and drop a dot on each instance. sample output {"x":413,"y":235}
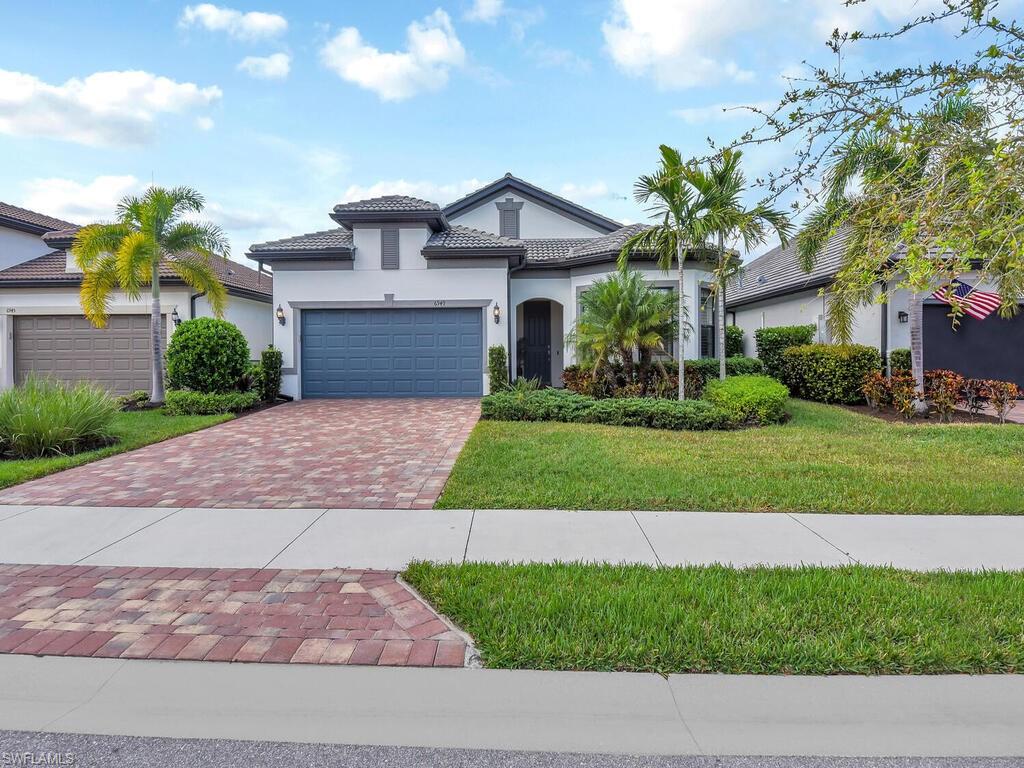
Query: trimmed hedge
{"x":899,"y":360}
{"x":772,"y":342}
{"x":829,"y":373}
{"x":270,"y":374}
{"x":707,"y":367}
{"x":184,"y":402}
{"x":698,"y":373}
{"x":497,"y":367}
{"x":749,"y":399}
{"x":207,"y":355}
{"x":733,"y":341}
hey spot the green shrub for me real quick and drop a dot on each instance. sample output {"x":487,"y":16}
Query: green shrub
{"x":772,"y":342}
{"x":497,"y":367}
{"x":270,"y":374}
{"x":133,"y":401}
{"x":899,"y":360}
{"x":45,"y":417}
{"x":733,"y":341}
{"x":829,"y":373}
{"x":184,"y":402}
{"x":698,"y":372}
{"x":749,"y":399}
{"x":207,"y":355}
{"x":559,"y":405}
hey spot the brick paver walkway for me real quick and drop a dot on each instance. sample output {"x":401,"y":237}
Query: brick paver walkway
{"x":312,"y":617}
{"x":364,"y":454}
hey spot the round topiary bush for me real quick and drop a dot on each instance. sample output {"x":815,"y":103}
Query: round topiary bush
{"x":206,"y":355}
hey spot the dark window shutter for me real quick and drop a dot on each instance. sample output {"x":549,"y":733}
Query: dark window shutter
{"x":509,"y":223}
{"x":389,"y":248}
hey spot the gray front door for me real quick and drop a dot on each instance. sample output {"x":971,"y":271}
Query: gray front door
{"x":70,"y":348}
{"x":430,"y":352}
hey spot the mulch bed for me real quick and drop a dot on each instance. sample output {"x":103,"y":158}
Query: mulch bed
{"x":892,"y":415}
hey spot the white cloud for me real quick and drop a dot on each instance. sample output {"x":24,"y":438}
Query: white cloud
{"x":81,"y":203}
{"x":204,"y":123}
{"x":319,"y":163}
{"x":715,"y":113}
{"x":560,"y":58}
{"x":433,"y":49}
{"x":253,"y":25}
{"x":425,"y":190}
{"x":583,"y":192}
{"x":486,"y":11}
{"x":105,"y":108}
{"x":679,"y":42}
{"x":273,"y":67}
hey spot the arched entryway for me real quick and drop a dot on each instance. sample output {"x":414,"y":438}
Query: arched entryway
{"x":539,"y":341}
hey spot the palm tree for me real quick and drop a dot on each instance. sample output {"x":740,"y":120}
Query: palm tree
{"x":675,"y":203}
{"x":870,"y":159}
{"x":150,"y":232}
{"x":723,"y":218}
{"x":619,"y":314}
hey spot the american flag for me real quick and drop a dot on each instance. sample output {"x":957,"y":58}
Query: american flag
{"x":977,"y":304}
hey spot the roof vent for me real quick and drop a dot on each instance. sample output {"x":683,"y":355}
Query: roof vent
{"x":762,"y":279}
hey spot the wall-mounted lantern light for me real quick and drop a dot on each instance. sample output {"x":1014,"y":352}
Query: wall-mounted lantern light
{"x":497,"y":313}
{"x":279,"y":314}
{"x":175,"y":317}
{"x":903,"y":317}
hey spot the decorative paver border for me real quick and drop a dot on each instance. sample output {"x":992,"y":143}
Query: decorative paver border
{"x":335,"y":616}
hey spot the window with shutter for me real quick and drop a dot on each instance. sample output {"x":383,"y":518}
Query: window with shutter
{"x":508,"y":218}
{"x":389,"y":248}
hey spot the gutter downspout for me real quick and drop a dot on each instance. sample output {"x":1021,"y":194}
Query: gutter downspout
{"x":509,"y":310}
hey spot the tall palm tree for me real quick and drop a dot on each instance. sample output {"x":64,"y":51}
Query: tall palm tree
{"x":675,"y":203}
{"x":879,"y":159}
{"x":723,"y":218}
{"x":619,"y":314}
{"x":151,"y":232}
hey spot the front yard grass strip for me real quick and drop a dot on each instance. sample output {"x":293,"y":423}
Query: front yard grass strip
{"x":806,"y":621}
{"x":133,"y":429}
{"x":825,"y":459}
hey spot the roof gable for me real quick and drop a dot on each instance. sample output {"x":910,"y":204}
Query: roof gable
{"x":535,"y":194}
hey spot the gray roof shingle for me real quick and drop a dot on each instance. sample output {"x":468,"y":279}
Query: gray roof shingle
{"x":553,"y":249}
{"x":459,"y":237}
{"x":389,"y":204}
{"x":31,"y":218}
{"x":336,"y":239}
{"x":778,"y":272}
{"x":52,"y":268}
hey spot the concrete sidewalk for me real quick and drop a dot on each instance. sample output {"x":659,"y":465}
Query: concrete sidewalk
{"x":389,"y":539}
{"x":590,"y":712}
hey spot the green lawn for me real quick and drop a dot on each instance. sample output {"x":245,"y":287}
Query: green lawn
{"x":826,"y":459}
{"x":134,"y":429}
{"x":812,"y":620}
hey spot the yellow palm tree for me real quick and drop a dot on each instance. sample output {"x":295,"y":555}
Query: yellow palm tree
{"x":150,"y":232}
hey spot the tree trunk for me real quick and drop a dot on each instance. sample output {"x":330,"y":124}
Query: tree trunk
{"x":682,"y":313}
{"x":916,"y":311}
{"x":720,"y":307}
{"x":156,"y":333}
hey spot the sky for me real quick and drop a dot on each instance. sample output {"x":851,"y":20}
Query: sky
{"x":278,"y":110}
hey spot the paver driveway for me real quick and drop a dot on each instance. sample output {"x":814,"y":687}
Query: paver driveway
{"x":394,"y":453}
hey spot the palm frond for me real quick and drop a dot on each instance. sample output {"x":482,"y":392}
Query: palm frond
{"x":195,"y":270}
{"x":98,"y":282}
{"x":134,"y":262}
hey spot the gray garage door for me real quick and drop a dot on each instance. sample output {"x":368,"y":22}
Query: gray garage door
{"x":392,"y":352}
{"x":70,"y":348}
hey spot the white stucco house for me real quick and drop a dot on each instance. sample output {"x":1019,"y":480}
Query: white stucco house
{"x":403,"y":296}
{"x":42,"y":328}
{"x":774,"y":290}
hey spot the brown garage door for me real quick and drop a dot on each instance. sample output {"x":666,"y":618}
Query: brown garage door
{"x":70,"y":348}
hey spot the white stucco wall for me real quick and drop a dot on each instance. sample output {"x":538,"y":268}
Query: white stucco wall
{"x":255,"y":319}
{"x":65,"y":301}
{"x":367,"y":282}
{"x":17,"y":246}
{"x":534,"y":220}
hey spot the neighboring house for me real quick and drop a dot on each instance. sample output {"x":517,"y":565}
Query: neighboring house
{"x":775,"y":290}
{"x":404,"y":296}
{"x":42,"y":327}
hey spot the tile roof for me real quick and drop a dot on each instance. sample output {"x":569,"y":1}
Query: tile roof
{"x":389,"y":204}
{"x":610,"y":243}
{"x":334,"y":239}
{"x":779,"y":272}
{"x":459,"y":237}
{"x":31,"y":218}
{"x":545,"y":249}
{"x":51,"y":268}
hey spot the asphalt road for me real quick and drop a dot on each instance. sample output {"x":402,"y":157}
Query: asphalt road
{"x":85,"y":751}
